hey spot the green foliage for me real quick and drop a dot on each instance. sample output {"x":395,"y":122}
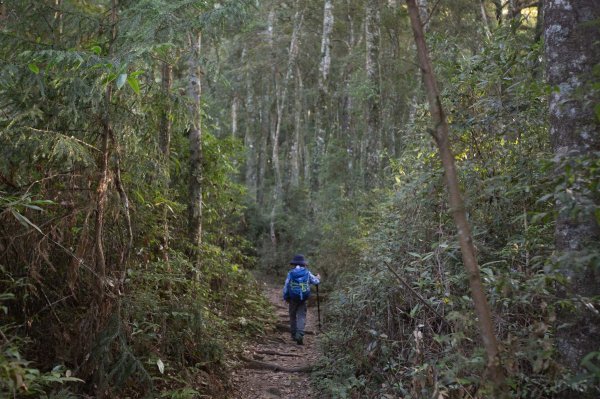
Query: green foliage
{"x":18,"y":376}
{"x":71,"y":74}
{"x":381,"y":338}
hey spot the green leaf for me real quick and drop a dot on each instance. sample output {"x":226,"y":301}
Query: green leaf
{"x":96,"y":50}
{"x":121,"y":80}
{"x":545,"y":198}
{"x":538,"y":217}
{"x":161,"y":366}
{"x":34,"y":207}
{"x":134,"y":84}
{"x":24,"y":221}
{"x":415,"y":310}
{"x":43,"y":202}
{"x":34,"y":68}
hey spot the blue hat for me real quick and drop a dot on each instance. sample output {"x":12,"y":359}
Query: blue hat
{"x":299,"y":260}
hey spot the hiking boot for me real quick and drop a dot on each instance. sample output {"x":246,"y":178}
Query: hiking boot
{"x":299,"y":339}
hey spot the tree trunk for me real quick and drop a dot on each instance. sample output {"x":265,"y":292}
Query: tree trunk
{"x":102,"y":307}
{"x":484,"y":18}
{"x":570,"y":39}
{"x":414,"y":103}
{"x":424,"y":13}
{"x":322,"y":108}
{"x":539,"y":22}
{"x":58,"y":18}
{"x":262,"y":149}
{"x":103,"y":182}
{"x":235,"y":104}
{"x":164,"y":142}
{"x":273,"y":122}
{"x":250,"y":137}
{"x":346,"y":125}
{"x":498,"y":6}
{"x":456,"y":202}
{"x":281,"y":94}
{"x":125,"y":199}
{"x":372,"y":139}
{"x":195,"y":142}
{"x":101,"y":194}
{"x":295,"y":149}
{"x":325,"y":63}
{"x":347,"y":103}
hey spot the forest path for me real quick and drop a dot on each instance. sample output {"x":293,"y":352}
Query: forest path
{"x":277,"y":348}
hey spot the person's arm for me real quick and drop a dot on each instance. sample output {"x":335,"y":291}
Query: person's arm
{"x":285,"y":288}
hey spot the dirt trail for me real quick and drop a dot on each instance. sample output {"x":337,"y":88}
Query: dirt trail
{"x":277,"y":348}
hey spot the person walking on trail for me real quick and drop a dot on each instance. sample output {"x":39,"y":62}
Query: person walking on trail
{"x":296,"y":291}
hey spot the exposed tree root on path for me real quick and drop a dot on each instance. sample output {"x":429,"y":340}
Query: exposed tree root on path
{"x":257,"y":364}
{"x":276,"y":353}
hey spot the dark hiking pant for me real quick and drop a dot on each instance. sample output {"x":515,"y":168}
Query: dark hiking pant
{"x":297,"y":310}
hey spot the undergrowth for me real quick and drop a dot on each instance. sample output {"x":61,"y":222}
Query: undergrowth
{"x":400,"y":322}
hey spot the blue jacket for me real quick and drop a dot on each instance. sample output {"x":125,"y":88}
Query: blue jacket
{"x":298,"y":273}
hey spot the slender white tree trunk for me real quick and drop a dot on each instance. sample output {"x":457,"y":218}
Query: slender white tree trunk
{"x":295,"y":149}
{"x":262,"y":148}
{"x":195,"y":139}
{"x":235,"y":104}
{"x":281,"y":94}
{"x":250,"y":137}
{"x":414,"y":103}
{"x":322,"y":109}
{"x":484,"y":18}
{"x":325,"y":63}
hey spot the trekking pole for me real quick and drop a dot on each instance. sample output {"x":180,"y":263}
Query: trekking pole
{"x":318,"y":307}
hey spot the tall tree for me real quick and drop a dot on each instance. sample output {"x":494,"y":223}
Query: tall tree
{"x":195,"y":138}
{"x":571,"y":37}
{"x":103,"y":183}
{"x":485,"y":19}
{"x":164,"y":143}
{"x":281,"y":98}
{"x":295,"y":149}
{"x":347,"y":100}
{"x":373,"y":133}
{"x":250,"y":134}
{"x":322,"y":109}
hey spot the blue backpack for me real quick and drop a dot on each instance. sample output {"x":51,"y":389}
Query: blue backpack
{"x":299,"y":285}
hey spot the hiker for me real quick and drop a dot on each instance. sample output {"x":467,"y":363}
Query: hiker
{"x":295,"y":292}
